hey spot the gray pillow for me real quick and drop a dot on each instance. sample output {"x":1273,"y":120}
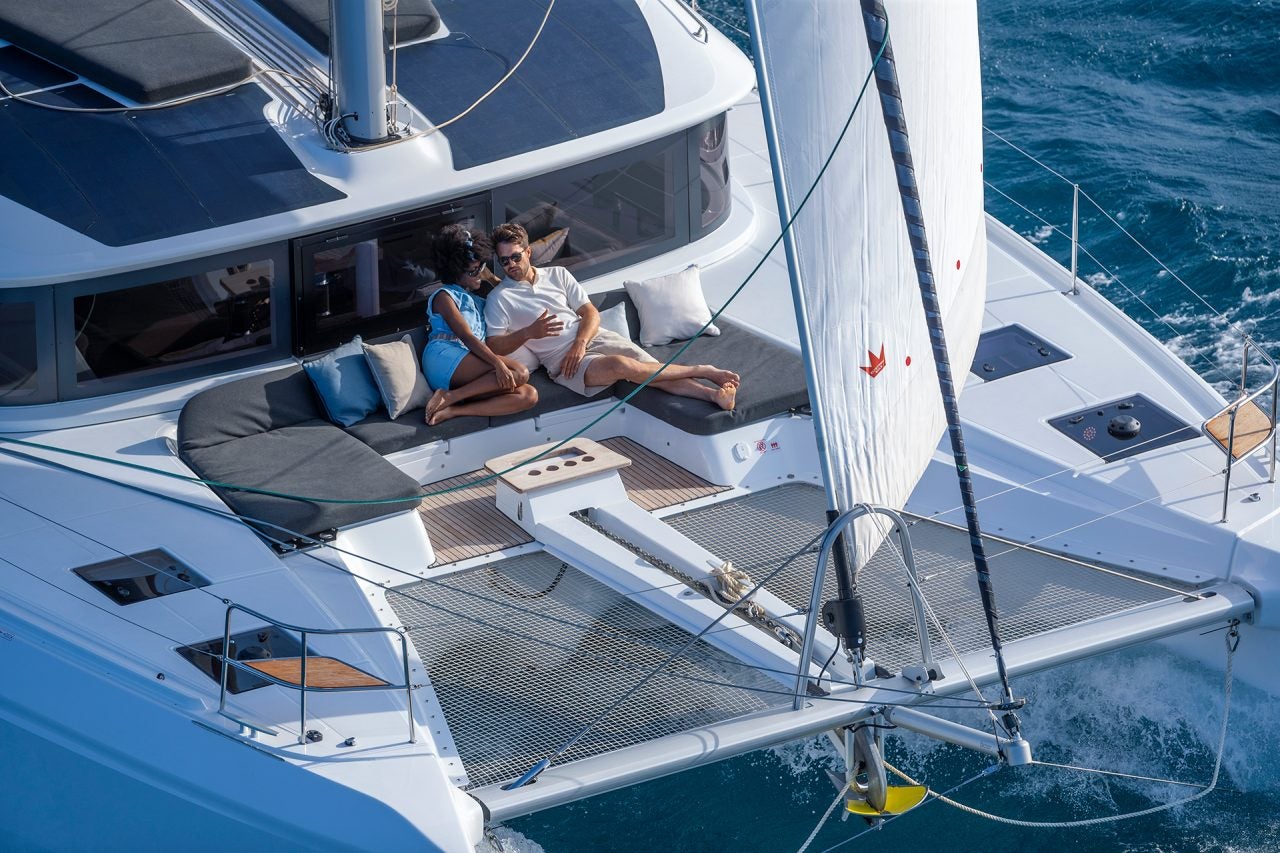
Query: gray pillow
{"x":615,"y":320}
{"x":396,"y":372}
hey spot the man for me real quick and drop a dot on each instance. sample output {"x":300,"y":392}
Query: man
{"x":547,"y":312}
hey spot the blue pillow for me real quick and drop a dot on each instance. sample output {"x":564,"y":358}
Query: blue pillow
{"x":344,"y":383}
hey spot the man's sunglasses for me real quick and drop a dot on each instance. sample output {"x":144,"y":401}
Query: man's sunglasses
{"x":510,"y":259}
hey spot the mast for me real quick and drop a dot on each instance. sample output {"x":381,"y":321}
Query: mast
{"x":846,"y":618}
{"x":359,"y":73}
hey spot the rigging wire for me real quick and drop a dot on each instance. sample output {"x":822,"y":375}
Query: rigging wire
{"x":1232,"y":642}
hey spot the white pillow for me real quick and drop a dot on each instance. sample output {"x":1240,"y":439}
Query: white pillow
{"x":615,"y":320}
{"x":671,"y":307}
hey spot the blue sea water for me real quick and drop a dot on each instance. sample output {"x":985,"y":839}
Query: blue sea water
{"x":1168,"y":115}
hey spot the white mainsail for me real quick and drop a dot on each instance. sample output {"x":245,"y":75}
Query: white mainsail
{"x":876,"y":389}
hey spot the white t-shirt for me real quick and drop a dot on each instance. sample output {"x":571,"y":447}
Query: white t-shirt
{"x":515,"y":304}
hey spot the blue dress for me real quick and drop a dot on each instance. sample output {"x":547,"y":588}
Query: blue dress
{"x":444,"y":351}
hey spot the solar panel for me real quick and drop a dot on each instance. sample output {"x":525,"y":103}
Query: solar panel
{"x":124,"y":178}
{"x":20,"y":72}
{"x":594,"y":67}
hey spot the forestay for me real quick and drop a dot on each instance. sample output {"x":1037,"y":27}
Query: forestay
{"x":876,"y":391}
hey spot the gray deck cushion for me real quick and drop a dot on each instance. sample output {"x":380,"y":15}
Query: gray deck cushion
{"x":249,"y":406}
{"x":410,"y":430}
{"x":312,"y":458}
{"x":414,"y":19}
{"x":147,"y":50}
{"x":773,"y":382}
{"x":552,"y":397}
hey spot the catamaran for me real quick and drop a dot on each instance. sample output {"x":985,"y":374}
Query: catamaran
{"x":240,"y":607}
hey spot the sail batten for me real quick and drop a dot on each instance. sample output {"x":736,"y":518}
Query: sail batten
{"x":853,"y":264}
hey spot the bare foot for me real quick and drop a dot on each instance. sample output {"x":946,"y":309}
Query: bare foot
{"x":726,"y":396}
{"x":441,"y":415}
{"x":718,"y":376}
{"x":438,"y":400}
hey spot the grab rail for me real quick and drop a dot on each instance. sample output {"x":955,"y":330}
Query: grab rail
{"x":824,"y":554}
{"x":302,"y":686}
{"x":1233,"y":410}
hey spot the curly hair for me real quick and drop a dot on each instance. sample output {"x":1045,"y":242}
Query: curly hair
{"x":457,"y":249}
{"x":511,"y":232}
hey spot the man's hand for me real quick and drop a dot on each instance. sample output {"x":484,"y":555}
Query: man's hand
{"x":547,"y":325}
{"x":573,"y":358}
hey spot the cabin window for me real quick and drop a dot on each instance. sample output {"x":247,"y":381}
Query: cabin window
{"x":373,"y":279}
{"x":605,"y":214}
{"x":710,"y":153}
{"x":193,"y":319}
{"x":26,"y":347}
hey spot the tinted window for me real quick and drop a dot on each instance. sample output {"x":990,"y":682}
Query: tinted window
{"x":605,"y":214}
{"x":205,"y":317}
{"x":18,"y":354}
{"x":373,"y":279}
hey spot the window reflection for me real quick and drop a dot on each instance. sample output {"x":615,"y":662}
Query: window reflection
{"x":375,"y":281}
{"x":174,"y":322}
{"x":589,"y":217}
{"x":18,"y":358}
{"x":713,"y":172}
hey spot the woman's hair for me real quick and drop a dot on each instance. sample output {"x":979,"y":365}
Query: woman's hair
{"x":457,"y":249}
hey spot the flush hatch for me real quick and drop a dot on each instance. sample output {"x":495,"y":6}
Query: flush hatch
{"x":255,"y":646}
{"x":1012,"y":349}
{"x":1123,"y":428}
{"x":131,"y":578}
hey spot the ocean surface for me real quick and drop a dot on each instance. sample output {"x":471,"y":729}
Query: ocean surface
{"x":1168,"y":115}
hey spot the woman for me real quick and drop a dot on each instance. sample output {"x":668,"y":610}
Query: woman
{"x":466,"y":376}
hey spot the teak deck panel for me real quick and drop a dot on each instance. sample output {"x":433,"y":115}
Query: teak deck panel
{"x":1253,"y":427}
{"x":322,"y":672}
{"x":465,"y":522}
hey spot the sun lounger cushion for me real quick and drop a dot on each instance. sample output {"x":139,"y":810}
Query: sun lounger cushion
{"x":147,"y":51}
{"x":773,"y":382}
{"x":311,"y":459}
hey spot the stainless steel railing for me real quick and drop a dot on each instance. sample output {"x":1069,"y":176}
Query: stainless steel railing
{"x":301,"y":686}
{"x":1246,"y":399}
{"x":899,"y":529}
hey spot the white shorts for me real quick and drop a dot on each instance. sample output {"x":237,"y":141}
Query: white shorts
{"x":604,"y":343}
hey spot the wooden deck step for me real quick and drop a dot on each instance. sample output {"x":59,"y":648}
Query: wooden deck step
{"x":322,"y":672}
{"x":1253,"y":427}
{"x":465,"y":522}
{"x":656,"y":483}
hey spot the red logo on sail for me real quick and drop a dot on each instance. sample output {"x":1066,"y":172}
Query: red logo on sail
{"x":877,"y":362}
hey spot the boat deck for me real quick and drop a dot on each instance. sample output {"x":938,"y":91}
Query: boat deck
{"x":526,"y":651}
{"x":1036,"y":591}
{"x":463,"y":521}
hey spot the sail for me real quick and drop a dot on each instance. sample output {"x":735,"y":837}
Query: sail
{"x":874,"y":382}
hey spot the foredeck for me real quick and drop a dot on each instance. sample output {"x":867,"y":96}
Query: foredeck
{"x":463,"y":521}
{"x":1036,"y":591}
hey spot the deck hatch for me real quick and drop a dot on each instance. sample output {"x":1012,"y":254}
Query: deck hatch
{"x":138,"y":577}
{"x":1012,"y":349}
{"x":259,"y":644}
{"x":1123,"y":428}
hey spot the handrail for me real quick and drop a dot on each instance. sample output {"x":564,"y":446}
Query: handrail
{"x":1233,"y":410}
{"x":1244,"y":396}
{"x":815,"y":596}
{"x":227,"y":661}
{"x":1078,"y":247}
